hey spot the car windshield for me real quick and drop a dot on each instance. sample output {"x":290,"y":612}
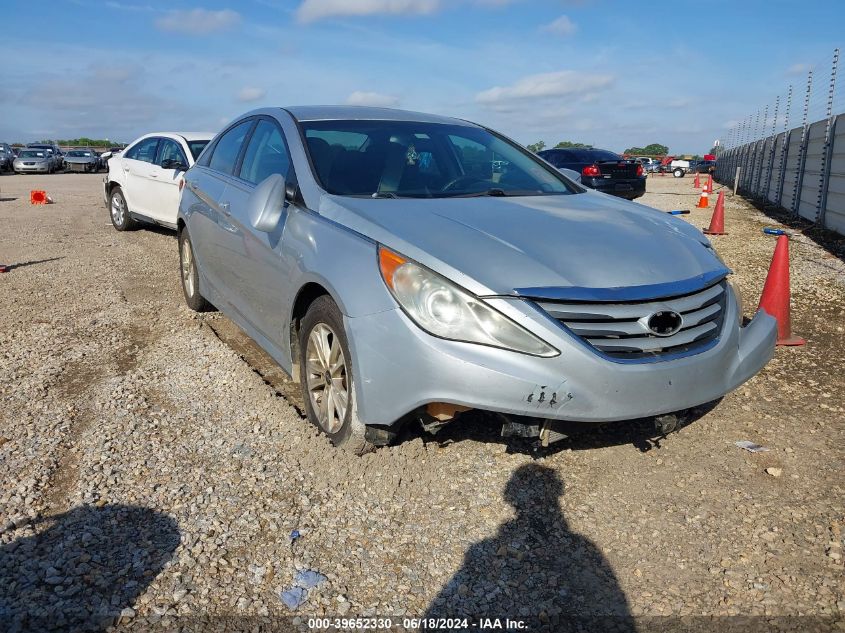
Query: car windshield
{"x":196,"y":147}
{"x":32,"y":153}
{"x":78,"y":153}
{"x":409,"y":159}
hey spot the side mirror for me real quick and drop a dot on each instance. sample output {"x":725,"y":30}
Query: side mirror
{"x":267,"y":203}
{"x":571,"y":174}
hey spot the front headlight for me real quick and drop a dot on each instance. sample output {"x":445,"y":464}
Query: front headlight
{"x":443,"y":309}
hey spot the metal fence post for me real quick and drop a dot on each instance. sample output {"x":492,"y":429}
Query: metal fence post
{"x":784,"y":152}
{"x":802,"y":149}
{"x":762,"y":153}
{"x":828,"y":163}
{"x":752,"y":155}
{"x":772,"y":149}
{"x":824,"y":176}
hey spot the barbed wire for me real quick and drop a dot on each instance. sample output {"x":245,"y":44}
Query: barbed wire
{"x":820,"y":94}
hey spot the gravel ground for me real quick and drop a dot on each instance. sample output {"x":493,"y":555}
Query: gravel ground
{"x":152,"y":468}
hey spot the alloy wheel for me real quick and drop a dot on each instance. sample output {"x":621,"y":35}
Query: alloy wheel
{"x":187,"y":257}
{"x":118,"y":209}
{"x":326,"y":378}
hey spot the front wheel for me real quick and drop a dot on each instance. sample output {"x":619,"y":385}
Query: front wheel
{"x":678,"y":173}
{"x":119,"y":212}
{"x":190,"y":274}
{"x":326,"y":376}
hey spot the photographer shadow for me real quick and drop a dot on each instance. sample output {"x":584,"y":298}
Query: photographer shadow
{"x":536,"y":569}
{"x":82,"y":570}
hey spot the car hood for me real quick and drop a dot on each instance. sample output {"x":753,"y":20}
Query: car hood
{"x":539,"y":246}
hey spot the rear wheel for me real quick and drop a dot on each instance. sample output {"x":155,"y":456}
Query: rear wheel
{"x":189,"y":274}
{"x":326,"y":376}
{"x":678,"y":173}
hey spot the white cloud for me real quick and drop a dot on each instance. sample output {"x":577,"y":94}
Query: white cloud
{"x":311,"y":10}
{"x":251,"y":94}
{"x":372,"y":99}
{"x":562,"y":26}
{"x":198,"y":21}
{"x":798,"y":69}
{"x":563,"y":83}
{"x":679,"y":102}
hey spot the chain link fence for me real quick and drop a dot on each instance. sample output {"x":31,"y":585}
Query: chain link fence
{"x":791,"y":153}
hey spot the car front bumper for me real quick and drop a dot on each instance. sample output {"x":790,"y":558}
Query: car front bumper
{"x":80,"y":166}
{"x":399,"y":368}
{"x":36,"y":169}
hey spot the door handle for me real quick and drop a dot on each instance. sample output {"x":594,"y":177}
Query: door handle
{"x":224,"y":207}
{"x":125,"y":170}
{"x":153,"y":175}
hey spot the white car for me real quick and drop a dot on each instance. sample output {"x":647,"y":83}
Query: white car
{"x":143,"y":181}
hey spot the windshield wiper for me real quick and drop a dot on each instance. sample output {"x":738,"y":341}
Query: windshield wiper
{"x":494,"y":192}
{"x":384,"y":194}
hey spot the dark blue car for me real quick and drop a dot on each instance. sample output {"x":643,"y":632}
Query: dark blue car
{"x":601,"y":170}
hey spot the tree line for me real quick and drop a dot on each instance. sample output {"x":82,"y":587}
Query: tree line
{"x":653,"y":149}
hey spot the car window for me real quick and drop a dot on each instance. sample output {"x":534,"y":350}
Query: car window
{"x":168,"y":149}
{"x":595,"y":155}
{"x":229,"y":147}
{"x":266,"y":153}
{"x":556,"y":157}
{"x":196,"y":147}
{"x":144,"y":150}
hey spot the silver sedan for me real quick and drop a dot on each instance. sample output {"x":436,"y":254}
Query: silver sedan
{"x":38,"y":161}
{"x":403,"y":267}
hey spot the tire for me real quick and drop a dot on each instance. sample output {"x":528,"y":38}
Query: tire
{"x":119,"y":212}
{"x":678,"y":173}
{"x":189,"y":274}
{"x":322,"y":336}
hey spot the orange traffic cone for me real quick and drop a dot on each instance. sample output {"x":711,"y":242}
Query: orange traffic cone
{"x":4,"y":268}
{"x":710,"y":183}
{"x":717,"y":222}
{"x":696,"y":183}
{"x":703,"y":202}
{"x":775,"y":298}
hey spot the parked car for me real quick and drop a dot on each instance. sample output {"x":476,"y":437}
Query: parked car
{"x":381,"y":261}
{"x":84,"y":160}
{"x":602,"y":170}
{"x":705,"y":166}
{"x":651,"y":165}
{"x":7,"y":157}
{"x":144,"y":181}
{"x":34,"y":160}
{"x":56,"y":156}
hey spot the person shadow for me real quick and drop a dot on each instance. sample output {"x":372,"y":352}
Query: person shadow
{"x":84,"y":569}
{"x":535,"y":569}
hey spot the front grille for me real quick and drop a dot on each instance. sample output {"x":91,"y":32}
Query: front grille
{"x":620,"y":330}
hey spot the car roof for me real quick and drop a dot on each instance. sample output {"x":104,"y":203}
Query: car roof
{"x":188,"y":136}
{"x":367,"y":113}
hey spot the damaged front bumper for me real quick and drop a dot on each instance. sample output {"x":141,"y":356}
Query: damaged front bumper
{"x":399,"y":368}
